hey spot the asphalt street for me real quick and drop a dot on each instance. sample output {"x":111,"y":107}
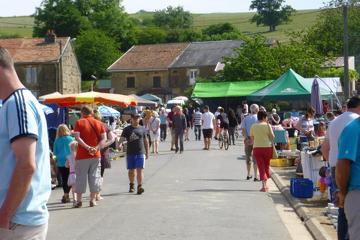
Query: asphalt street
{"x":195,"y":195}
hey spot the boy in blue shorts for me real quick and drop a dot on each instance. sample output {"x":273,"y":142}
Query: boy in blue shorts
{"x":137,"y":152}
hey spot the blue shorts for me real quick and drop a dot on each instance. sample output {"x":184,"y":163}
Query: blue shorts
{"x":135,"y":161}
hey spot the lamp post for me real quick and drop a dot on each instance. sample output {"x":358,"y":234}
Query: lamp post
{"x":346,"y":52}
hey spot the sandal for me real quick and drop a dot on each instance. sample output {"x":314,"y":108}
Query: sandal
{"x":140,"y":189}
{"x":92,"y":203}
{"x":78,"y":205}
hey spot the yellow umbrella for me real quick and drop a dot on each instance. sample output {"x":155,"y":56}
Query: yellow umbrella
{"x":90,"y":98}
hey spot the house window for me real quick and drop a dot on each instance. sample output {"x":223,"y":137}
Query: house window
{"x":157,"y":82}
{"x":130,"y":82}
{"x":31,"y":75}
{"x":192,"y":76}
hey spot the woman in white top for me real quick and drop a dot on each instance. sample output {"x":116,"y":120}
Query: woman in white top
{"x":154,"y":130}
{"x":305,"y":125}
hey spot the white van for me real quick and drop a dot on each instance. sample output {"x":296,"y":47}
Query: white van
{"x":171,"y":103}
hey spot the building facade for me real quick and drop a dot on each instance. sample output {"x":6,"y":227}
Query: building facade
{"x":45,"y":65}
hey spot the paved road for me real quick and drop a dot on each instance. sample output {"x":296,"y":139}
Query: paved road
{"x":195,"y":195}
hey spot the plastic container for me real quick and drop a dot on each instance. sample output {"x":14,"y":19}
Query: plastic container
{"x":301,"y":187}
{"x":279,"y":162}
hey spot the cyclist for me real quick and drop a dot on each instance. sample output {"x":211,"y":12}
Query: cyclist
{"x":224,"y":122}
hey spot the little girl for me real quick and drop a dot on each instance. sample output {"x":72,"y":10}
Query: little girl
{"x":70,"y":163}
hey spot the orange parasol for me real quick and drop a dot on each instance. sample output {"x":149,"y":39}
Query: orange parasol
{"x":90,"y":98}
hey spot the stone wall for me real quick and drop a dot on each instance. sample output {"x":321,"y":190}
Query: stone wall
{"x":71,"y":74}
{"x":143,"y":82}
{"x":46,"y":78}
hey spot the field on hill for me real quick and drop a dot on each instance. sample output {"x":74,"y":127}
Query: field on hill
{"x":16,"y":26}
{"x":22,"y":26}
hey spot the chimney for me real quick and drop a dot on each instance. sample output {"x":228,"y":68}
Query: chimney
{"x":50,"y":36}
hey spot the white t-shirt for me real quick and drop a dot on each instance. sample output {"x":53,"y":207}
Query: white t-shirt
{"x":334,"y":131}
{"x":207,"y":119}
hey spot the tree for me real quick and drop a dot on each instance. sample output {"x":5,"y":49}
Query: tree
{"x":60,"y":15}
{"x":270,"y":13}
{"x":69,"y":17}
{"x":150,"y":35}
{"x":218,"y":29}
{"x":96,"y":51}
{"x":257,"y":60}
{"x":173,"y":17}
{"x":253,"y":61}
{"x":327,"y":34}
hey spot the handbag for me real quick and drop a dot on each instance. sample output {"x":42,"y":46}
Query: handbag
{"x":274,"y":151}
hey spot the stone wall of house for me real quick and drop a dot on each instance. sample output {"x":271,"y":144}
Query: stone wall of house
{"x":179,"y":78}
{"x":46,"y":75}
{"x":143,"y":82}
{"x":71,"y":73}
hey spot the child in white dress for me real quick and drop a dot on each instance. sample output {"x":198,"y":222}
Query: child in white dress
{"x":70,"y":163}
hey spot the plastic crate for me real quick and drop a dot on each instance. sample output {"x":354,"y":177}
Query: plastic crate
{"x":301,"y":187}
{"x":279,"y":162}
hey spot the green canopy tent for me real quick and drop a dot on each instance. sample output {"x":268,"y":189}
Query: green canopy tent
{"x":290,"y":86}
{"x":227,"y":89}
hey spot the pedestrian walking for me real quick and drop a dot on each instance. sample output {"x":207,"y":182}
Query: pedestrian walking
{"x":197,"y":124}
{"x":25,"y":184}
{"x":62,"y":151}
{"x":172,"y":130}
{"x":348,"y":176}
{"x":191,"y":112}
{"x":188,"y":123}
{"x":154,"y":129}
{"x":208,"y":123}
{"x":163,"y":124}
{"x":180,"y":127}
{"x":232,"y":126}
{"x":330,"y":152}
{"x":91,"y":136}
{"x":246,"y":125}
{"x":70,"y":164}
{"x":137,"y":151}
{"x":105,"y":160}
{"x":262,"y":137}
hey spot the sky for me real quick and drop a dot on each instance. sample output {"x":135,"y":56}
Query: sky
{"x":27,"y":7}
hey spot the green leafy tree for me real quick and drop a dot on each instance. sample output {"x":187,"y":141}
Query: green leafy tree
{"x":257,"y":60}
{"x":96,"y":51}
{"x":69,"y":17}
{"x":150,"y":35}
{"x":219,"y":29}
{"x":60,"y":15}
{"x":253,"y":61}
{"x":271,"y":13}
{"x":327,"y":34}
{"x":173,"y":17}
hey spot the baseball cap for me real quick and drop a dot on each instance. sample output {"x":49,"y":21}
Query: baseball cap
{"x":135,"y":115}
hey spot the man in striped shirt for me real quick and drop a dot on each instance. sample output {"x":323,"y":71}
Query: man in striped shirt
{"x":25,"y":181}
{"x":196,"y":119}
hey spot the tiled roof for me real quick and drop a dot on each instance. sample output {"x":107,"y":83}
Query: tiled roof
{"x":148,"y":57}
{"x":206,"y":53}
{"x":34,"y":50}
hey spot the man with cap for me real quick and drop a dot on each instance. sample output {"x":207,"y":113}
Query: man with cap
{"x":136,"y":153}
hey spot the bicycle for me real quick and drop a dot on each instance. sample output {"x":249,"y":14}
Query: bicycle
{"x":224,"y":140}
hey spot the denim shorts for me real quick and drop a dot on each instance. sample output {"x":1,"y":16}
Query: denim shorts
{"x":135,"y":161}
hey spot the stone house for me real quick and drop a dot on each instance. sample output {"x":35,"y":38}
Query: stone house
{"x":45,"y":65}
{"x":144,"y":69}
{"x":199,"y":59}
{"x":167,"y":70}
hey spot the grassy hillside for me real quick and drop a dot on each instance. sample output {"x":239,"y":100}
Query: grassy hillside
{"x":16,"y":26}
{"x":300,"y":20}
{"x":22,"y":26}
